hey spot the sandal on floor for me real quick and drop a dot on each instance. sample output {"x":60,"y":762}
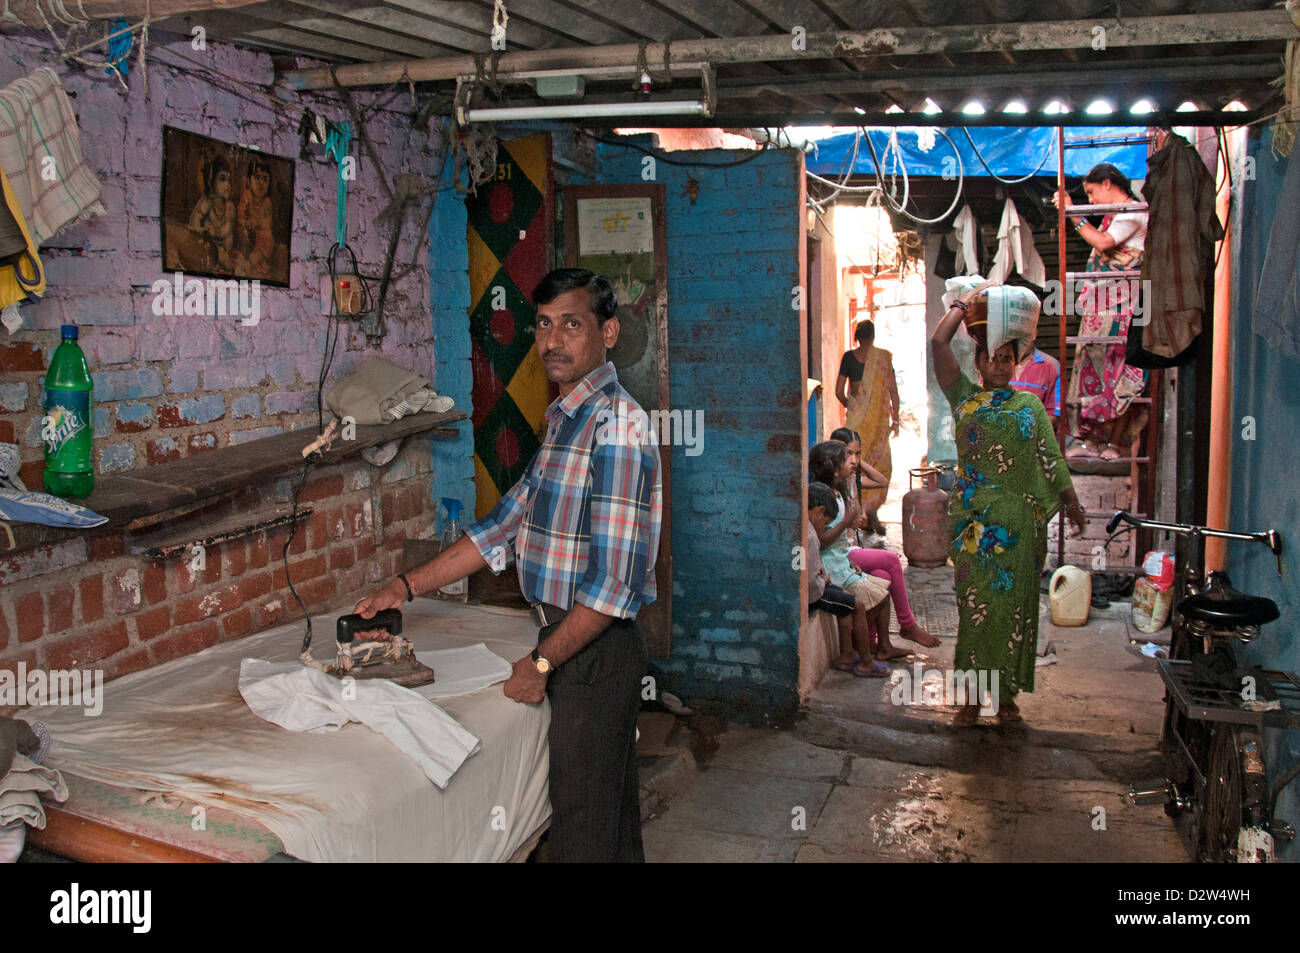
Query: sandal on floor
{"x":968,"y":716}
{"x":877,"y":670}
{"x":1009,"y":712}
{"x":847,"y":666}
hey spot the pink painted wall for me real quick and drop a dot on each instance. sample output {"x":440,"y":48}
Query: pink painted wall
{"x":169,"y":386}
{"x":176,"y":386}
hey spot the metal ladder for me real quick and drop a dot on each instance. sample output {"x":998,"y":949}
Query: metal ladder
{"x":1141,"y":465}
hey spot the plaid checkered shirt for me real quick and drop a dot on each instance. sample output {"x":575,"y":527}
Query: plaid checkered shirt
{"x":582,"y":524}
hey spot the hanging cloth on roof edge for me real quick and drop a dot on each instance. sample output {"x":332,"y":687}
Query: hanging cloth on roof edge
{"x":1016,"y":245}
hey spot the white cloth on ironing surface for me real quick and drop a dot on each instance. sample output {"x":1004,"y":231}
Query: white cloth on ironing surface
{"x":462,"y":670}
{"x":300,"y":698}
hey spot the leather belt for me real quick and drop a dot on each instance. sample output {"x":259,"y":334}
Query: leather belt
{"x":545,"y":614}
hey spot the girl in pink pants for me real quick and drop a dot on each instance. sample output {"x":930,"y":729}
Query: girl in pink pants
{"x":885,"y":564}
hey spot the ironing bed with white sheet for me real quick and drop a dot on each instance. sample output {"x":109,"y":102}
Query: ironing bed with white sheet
{"x":178,"y":764}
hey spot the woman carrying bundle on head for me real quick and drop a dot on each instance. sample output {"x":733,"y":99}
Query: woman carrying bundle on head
{"x":1011,"y":479}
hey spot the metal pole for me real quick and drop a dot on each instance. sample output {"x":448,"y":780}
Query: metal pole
{"x":1062,"y":414}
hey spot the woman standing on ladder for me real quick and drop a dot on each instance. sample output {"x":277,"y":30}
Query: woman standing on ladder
{"x":869,"y":392}
{"x":1102,"y":385}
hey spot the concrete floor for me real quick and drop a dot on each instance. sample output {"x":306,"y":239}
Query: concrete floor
{"x":859,"y":778}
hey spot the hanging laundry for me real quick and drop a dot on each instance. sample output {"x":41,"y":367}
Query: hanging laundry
{"x":960,"y":251}
{"x":1277,"y":302}
{"x":1016,"y":246}
{"x":21,"y":272}
{"x":40,"y":152}
{"x":967,"y":231}
{"x":1182,"y":228}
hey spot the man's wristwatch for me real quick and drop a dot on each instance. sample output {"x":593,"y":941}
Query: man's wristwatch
{"x":543,"y":666}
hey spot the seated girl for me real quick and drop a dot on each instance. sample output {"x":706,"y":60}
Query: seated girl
{"x":882,"y":563}
{"x":829,"y":464}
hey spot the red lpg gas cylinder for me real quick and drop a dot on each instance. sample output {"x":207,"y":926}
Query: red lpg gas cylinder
{"x":925,"y":520}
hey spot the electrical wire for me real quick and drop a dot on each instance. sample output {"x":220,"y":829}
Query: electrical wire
{"x":961,"y":176}
{"x":284,"y":554}
{"x":990,"y":171}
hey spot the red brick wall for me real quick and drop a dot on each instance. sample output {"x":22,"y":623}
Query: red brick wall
{"x":89,"y":604}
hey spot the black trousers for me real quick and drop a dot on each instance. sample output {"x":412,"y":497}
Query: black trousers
{"x":595,"y":789}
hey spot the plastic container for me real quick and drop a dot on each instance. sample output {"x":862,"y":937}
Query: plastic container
{"x":457,"y":591}
{"x":1153,"y":594}
{"x":66,"y":428}
{"x":1151,"y":605}
{"x":1070,"y":596}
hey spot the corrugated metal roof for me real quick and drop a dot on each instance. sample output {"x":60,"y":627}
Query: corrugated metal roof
{"x":822,"y":84}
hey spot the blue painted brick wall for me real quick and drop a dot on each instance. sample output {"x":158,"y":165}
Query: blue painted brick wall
{"x":453,"y":460}
{"x":1265,"y":494}
{"x":733,"y":258}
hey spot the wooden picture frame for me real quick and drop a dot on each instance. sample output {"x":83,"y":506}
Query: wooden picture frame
{"x":226,"y":211}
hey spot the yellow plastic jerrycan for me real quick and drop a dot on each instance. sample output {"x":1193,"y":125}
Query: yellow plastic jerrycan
{"x":1070,"y":595}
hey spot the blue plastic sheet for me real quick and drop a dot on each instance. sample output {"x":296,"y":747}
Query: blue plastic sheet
{"x":1010,"y":151}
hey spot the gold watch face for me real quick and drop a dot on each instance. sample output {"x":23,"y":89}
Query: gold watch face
{"x":543,"y":666}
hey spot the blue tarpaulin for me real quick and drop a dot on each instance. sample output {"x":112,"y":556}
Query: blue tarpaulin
{"x":1010,"y":151}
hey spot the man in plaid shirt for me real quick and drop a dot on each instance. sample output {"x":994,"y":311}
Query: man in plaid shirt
{"x":583,"y":527}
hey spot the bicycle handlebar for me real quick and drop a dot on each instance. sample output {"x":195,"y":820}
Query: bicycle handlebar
{"x":1270,"y":538}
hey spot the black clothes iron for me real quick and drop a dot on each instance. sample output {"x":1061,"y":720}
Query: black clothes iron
{"x":390,"y":655}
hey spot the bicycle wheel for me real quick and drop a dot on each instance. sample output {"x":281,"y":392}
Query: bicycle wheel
{"x":1236,"y":799}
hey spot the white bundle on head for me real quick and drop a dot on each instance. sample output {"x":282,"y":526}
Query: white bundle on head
{"x":1012,"y":312}
{"x":1013,"y":316}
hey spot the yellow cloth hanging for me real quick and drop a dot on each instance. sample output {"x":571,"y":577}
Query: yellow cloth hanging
{"x":28,"y":277}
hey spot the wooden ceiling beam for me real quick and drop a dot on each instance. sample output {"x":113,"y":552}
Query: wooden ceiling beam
{"x":1252,"y":26}
{"x":26,"y":10}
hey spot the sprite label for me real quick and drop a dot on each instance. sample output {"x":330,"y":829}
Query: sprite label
{"x":65,"y":431}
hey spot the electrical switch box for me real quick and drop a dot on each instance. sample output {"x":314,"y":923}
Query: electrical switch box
{"x":341,"y":294}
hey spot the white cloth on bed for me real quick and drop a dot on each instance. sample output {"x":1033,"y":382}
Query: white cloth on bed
{"x":463,"y":670}
{"x":300,"y":698}
{"x":340,"y":796}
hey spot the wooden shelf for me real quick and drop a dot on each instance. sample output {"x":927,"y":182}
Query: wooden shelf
{"x":205,"y":477}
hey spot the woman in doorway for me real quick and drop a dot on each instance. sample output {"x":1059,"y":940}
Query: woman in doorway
{"x":1012,"y":479}
{"x":869,"y":392}
{"x":1102,"y":385}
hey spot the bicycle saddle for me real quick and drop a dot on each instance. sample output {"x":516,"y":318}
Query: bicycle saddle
{"x":1218,"y":604}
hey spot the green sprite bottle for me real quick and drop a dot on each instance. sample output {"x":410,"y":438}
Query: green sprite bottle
{"x":66,"y":428}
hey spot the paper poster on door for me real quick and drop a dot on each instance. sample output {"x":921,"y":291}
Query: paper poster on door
{"x":615,"y":226}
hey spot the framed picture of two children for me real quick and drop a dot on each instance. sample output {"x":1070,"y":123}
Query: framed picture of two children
{"x":227,"y":210}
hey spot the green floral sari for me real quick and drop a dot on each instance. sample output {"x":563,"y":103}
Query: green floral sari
{"x":1011,"y":476}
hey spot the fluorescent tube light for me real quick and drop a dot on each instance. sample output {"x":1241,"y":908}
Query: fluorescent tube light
{"x":678,"y":107}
